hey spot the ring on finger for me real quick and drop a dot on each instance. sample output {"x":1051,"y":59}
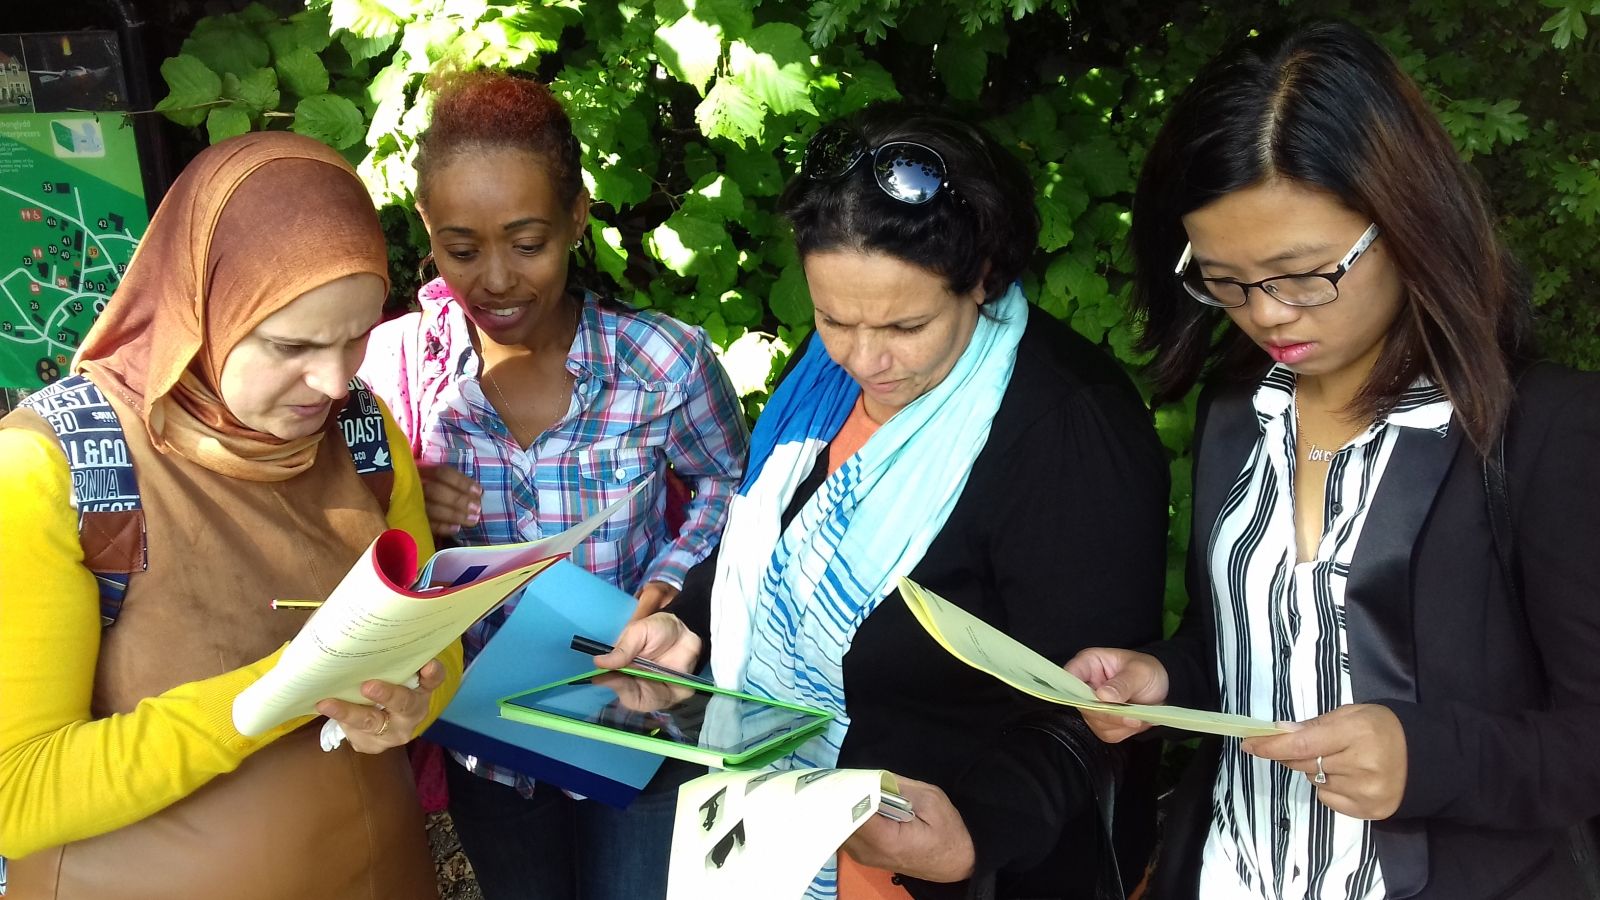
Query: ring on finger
{"x":384,"y":727}
{"x":1320,"y":778}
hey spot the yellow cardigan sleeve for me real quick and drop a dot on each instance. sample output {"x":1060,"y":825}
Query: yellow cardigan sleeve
{"x":407,"y":512}
{"x":65,"y":776}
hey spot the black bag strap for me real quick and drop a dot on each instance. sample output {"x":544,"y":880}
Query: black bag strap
{"x":1500,"y":528}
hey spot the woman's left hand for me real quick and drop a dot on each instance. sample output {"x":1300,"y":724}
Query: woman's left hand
{"x":934,"y":846}
{"x":653,"y":598}
{"x":1362,"y":749}
{"x":396,"y":711}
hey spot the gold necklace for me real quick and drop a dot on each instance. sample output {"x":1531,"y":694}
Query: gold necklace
{"x":1316,"y":453}
{"x":512,"y":423}
{"x":505,"y":405}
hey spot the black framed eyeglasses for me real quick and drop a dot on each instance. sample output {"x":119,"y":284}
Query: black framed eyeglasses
{"x":1308,"y":289}
{"x":907,"y":171}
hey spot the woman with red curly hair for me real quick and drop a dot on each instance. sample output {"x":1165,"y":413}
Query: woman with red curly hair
{"x":530,"y":405}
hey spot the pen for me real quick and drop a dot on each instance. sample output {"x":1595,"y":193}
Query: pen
{"x":296,"y":604}
{"x":600,"y":648}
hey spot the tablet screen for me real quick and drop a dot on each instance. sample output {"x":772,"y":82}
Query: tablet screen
{"x":667,"y":711}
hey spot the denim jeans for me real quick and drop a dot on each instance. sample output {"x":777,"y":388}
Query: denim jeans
{"x":551,"y":847}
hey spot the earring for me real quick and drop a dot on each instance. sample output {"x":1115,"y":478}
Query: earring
{"x":422,"y":268}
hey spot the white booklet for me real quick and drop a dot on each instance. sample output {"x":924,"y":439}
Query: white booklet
{"x":386,"y":619}
{"x":765,"y":834}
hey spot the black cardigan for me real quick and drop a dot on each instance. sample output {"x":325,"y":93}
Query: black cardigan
{"x":1499,"y":699}
{"x":1059,"y":539}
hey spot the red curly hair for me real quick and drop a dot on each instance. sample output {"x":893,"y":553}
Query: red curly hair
{"x":485,"y":108}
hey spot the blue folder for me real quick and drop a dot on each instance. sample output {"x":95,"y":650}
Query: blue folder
{"x":533,"y":647}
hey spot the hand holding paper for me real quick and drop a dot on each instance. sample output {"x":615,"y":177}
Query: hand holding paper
{"x":981,"y":646}
{"x":934,"y":846}
{"x":766,"y":834}
{"x":396,"y":713}
{"x":1119,"y":676}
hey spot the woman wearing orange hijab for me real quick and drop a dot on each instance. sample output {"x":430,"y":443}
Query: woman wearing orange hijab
{"x":226,"y":357}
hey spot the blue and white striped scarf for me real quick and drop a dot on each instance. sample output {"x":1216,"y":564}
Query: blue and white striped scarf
{"x":787,"y":602}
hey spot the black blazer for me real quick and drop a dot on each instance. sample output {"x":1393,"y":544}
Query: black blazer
{"x":1499,"y":699}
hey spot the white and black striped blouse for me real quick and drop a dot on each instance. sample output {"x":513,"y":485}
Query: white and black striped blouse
{"x":1282,"y":653}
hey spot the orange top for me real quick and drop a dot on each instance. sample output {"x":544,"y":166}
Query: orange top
{"x":858,"y":882}
{"x":852,"y":435}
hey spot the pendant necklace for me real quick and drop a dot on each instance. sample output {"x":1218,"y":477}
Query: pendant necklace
{"x":1316,"y":453}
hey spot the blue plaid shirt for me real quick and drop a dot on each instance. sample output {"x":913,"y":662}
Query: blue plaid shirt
{"x":647,"y":391}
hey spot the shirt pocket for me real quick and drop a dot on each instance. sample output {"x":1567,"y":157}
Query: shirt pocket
{"x":606,"y":476}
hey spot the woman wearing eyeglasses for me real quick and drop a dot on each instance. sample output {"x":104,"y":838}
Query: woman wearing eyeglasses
{"x":1438,"y":681}
{"x":934,"y":426}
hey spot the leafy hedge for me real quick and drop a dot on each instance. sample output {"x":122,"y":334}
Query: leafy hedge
{"x":692,"y":114}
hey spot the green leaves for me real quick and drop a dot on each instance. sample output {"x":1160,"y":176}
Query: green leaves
{"x":791,"y":298}
{"x":690,"y":49}
{"x":227,"y":45}
{"x":225,"y":122}
{"x":1477,"y":125}
{"x":364,"y":18}
{"x":769,"y":72}
{"x":865,"y":82}
{"x":330,"y":119}
{"x":1061,"y":200}
{"x":774,"y":66}
{"x":1568,"y":22}
{"x":256,"y":92}
{"x":962,"y":64}
{"x":191,"y":85}
{"x":680,"y":240}
{"x":302,"y":73}
{"x":309,"y":28}
{"x":728,"y":111}
{"x":692,"y":115}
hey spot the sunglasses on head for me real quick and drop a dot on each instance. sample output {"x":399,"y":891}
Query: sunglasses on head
{"x":907,"y":171}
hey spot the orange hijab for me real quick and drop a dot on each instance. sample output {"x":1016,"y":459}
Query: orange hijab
{"x":253,"y":223}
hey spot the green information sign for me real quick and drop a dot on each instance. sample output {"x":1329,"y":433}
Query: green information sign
{"x":72,"y":203}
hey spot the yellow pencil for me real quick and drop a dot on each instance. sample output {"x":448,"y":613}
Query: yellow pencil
{"x":296,"y":604}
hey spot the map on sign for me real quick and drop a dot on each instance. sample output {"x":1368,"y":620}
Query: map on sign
{"x":50,"y":295}
{"x":72,"y":205}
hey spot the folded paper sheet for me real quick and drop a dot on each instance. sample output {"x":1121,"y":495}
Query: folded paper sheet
{"x":739,"y":835}
{"x":987,"y":649}
{"x":386,"y":619}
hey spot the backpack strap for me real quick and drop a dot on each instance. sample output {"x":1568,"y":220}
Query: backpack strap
{"x":361,"y":423}
{"x":111,"y":523}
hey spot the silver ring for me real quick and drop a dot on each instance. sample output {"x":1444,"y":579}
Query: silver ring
{"x":1321,"y":777}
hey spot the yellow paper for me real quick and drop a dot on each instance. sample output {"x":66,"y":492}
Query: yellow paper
{"x":987,"y":649}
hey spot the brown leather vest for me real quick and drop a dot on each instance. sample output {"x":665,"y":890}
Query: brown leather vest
{"x":291,"y":821}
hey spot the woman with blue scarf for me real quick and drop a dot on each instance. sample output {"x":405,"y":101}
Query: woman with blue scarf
{"x":938,"y":427}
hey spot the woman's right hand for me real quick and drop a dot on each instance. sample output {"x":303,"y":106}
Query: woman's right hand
{"x":661,"y":638}
{"x":452,"y":499}
{"x":1119,"y":676}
